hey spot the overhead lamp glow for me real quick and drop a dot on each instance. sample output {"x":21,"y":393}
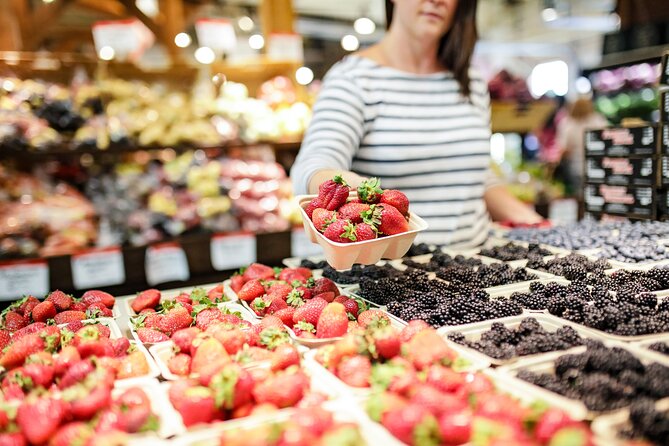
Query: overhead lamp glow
{"x":304,"y":76}
{"x":549,"y":76}
{"x":549,"y":14}
{"x":182,"y":40}
{"x":245,"y":23}
{"x":583,"y":85}
{"x":106,"y":53}
{"x":364,"y":25}
{"x":350,"y":43}
{"x":205,"y":55}
{"x":256,"y":41}
{"x":47,"y":1}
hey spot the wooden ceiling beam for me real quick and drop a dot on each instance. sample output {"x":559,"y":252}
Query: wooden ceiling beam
{"x":40,"y":22}
{"x":108,"y":7}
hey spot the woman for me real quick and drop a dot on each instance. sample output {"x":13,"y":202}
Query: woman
{"x":410,"y":111}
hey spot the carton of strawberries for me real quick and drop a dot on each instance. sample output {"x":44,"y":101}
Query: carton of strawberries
{"x":359,"y":226}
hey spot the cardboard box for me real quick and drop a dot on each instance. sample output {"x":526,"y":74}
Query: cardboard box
{"x":622,"y":141}
{"x":632,"y":171}
{"x":633,"y":202}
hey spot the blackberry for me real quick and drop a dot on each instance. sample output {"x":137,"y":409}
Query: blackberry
{"x":457,"y":337}
{"x":569,"y":362}
{"x":568,"y":335}
{"x":528,"y":326}
{"x":661,"y":347}
{"x":646,"y":300}
{"x":537,"y":287}
{"x":504,"y":308}
{"x":594,"y":317}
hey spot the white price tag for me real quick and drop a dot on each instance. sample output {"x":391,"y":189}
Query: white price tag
{"x":98,"y":268}
{"x":24,"y":277}
{"x":128,"y":38}
{"x":165,"y":262}
{"x":285,"y":46}
{"x":217,"y":34}
{"x":301,"y":246}
{"x":231,"y":251}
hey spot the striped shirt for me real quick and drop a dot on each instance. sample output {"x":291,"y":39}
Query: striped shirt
{"x":417,"y":133}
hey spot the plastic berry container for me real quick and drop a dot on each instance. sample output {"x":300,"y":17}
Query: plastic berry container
{"x":342,"y":256}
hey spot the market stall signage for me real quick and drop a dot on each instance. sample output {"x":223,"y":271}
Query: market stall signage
{"x":217,"y":34}
{"x":165,"y":262}
{"x":97,"y":268}
{"x":129,"y":38}
{"x":301,"y":246}
{"x":231,"y":251}
{"x":285,"y":46}
{"x":22,"y":277}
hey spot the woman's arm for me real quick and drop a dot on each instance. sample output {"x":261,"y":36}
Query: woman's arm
{"x":502,"y":206}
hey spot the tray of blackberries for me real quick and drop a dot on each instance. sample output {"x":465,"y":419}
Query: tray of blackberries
{"x":655,"y":279}
{"x":504,"y":341}
{"x":599,"y":377}
{"x":517,"y":253}
{"x":627,"y":314}
{"x":645,"y":422}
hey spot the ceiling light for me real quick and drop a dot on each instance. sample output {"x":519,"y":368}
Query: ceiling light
{"x":304,"y":76}
{"x":549,"y":14}
{"x":106,"y":53}
{"x":182,"y":40}
{"x":364,"y":26}
{"x":350,"y":43}
{"x":256,"y":41}
{"x":245,"y":23}
{"x":205,"y":55}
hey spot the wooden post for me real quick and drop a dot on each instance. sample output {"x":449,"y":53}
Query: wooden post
{"x":276,"y":16}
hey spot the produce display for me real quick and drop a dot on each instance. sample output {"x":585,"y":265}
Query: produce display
{"x":512,"y":251}
{"x":572,"y":266}
{"x":115,"y":113}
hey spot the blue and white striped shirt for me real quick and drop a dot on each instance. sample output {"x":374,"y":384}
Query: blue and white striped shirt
{"x":417,"y":133}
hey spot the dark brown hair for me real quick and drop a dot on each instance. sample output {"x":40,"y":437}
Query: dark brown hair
{"x":457,"y":45}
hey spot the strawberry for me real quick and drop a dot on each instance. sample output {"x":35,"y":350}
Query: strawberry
{"x":19,"y":350}
{"x":61,"y":300}
{"x":236,"y":282}
{"x":251,"y":290}
{"x":146,"y":299}
{"x":76,"y":373}
{"x":289,"y":275}
{"x":179,"y":364}
{"x":351,"y":307}
{"x":184,"y":297}
{"x":232,"y":387}
{"x":427,"y":348}
{"x":373,"y":318}
{"x":284,"y":389}
{"x":551,"y":421}
{"x":411,"y":423}
{"x":279,"y":289}
{"x":195,"y":403}
{"x":175,"y":319}
{"x":208,"y":351}
{"x":386,"y":341}
{"x":84,"y":403}
{"x":207,"y":317}
{"x":184,"y":338}
{"x":216,"y":294}
{"x":69,"y":316}
{"x":455,"y":427}
{"x":41,"y":374}
{"x":151,"y":320}
{"x":333,"y":321}
{"x":275,"y":304}
{"x":5,"y":338}
{"x":96,"y":296}
{"x":328,"y":296}
{"x":231,"y":340}
{"x":78,"y":306}
{"x":151,"y":336}
{"x":397,"y":200}
{"x":322,"y":218}
{"x":98,"y":309}
{"x":74,"y":433}
{"x":286,"y":315}
{"x":135,"y":409}
{"x":304,"y":330}
{"x":91,"y":332}
{"x":353,"y":211}
{"x":25,"y":305}
{"x":258,"y":271}
{"x":99,"y":347}
{"x":341,"y":299}
{"x":43,"y":311}
{"x":333,"y":193}
{"x":284,"y":356}
{"x":337,"y":231}
{"x":35,"y":327}
{"x":14,"y":321}
{"x":310,"y":311}
{"x":120,"y":346}
{"x":272,"y":337}
{"x":355,"y":371}
{"x":73,"y":326}
{"x":412,"y":328}
{"x":68,"y":356}
{"x":324,"y":285}
{"x":363,"y":232}
{"x":147,"y":311}
{"x":15,"y":439}
{"x":39,"y":419}
{"x":386,"y":219}
{"x":132,"y":365}
{"x":271,"y":321}
{"x":370,"y":191}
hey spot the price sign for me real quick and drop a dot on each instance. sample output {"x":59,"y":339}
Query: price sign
{"x":285,"y":46}
{"x":128,"y":38}
{"x":165,"y":262}
{"x":301,"y":246}
{"x":98,"y":268}
{"x":231,"y":251}
{"x":217,"y":34}
{"x":24,"y":277}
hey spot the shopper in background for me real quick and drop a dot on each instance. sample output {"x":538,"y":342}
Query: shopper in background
{"x":570,"y":137}
{"x":412,"y":112}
